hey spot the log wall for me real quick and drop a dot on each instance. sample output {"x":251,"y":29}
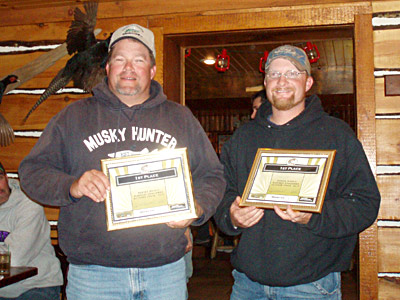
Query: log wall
{"x":386,"y":27}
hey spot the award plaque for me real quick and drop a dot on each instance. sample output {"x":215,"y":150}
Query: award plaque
{"x":298,"y":178}
{"x":149,"y":189}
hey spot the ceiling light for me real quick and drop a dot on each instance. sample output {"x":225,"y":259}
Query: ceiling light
{"x":208,"y":61}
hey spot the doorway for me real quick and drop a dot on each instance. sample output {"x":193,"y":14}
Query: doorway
{"x":221,"y":101}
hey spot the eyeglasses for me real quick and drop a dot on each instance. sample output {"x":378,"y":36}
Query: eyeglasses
{"x":291,"y":74}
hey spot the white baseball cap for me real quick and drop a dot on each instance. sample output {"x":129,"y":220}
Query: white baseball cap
{"x":134,"y":31}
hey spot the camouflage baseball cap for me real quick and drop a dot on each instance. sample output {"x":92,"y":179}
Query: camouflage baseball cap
{"x":2,"y":170}
{"x":295,"y":55}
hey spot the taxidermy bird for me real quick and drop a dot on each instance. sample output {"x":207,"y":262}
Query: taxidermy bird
{"x":86,"y":67}
{"x":6,"y":131}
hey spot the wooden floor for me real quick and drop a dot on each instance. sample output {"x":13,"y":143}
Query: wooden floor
{"x":212,"y":279}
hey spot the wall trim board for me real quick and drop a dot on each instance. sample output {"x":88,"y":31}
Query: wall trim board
{"x":387,"y":116}
{"x":41,"y":91}
{"x":28,"y":133}
{"x":12,"y":175}
{"x":387,"y":223}
{"x":395,"y":275}
{"x":383,"y":72}
{"x":384,"y":21}
{"x":388,"y":170}
{"x":26,"y":49}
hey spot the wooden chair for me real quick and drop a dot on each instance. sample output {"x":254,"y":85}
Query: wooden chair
{"x":52,"y":217}
{"x":218,"y":242}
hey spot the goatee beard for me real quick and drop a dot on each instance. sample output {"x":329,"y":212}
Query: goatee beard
{"x":128,"y":91}
{"x":283,"y":104}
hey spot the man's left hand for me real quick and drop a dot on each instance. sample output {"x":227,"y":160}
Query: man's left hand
{"x":292,"y":215}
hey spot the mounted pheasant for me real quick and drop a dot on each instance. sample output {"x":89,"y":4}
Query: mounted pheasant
{"x":6,"y":131}
{"x":86,"y":67}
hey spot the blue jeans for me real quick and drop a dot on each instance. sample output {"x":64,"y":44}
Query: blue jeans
{"x":92,"y":282}
{"x":45,"y":293}
{"x":325,"y":288}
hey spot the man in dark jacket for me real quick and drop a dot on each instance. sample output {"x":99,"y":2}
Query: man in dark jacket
{"x":284,"y":253}
{"x":128,"y":115}
{"x":256,"y":100}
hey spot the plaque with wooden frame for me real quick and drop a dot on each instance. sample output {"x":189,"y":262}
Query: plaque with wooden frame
{"x":283,"y":177}
{"x":149,"y":189}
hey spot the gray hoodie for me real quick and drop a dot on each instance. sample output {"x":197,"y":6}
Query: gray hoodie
{"x":29,"y":242}
{"x":102,"y":127}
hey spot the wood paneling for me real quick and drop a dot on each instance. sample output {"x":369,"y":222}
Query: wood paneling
{"x":388,"y":141}
{"x":389,"y":186}
{"x":386,"y":46}
{"x":15,"y":107}
{"x":296,"y":16}
{"x":385,"y":105}
{"x":364,"y":52}
{"x":389,"y":288}
{"x":220,"y":85}
{"x":29,"y":33}
{"x":332,"y":74}
{"x":385,"y":6}
{"x":12,"y":155}
{"x":159,"y":44}
{"x":388,"y":247}
{"x":10,"y":62}
{"x":58,"y":31}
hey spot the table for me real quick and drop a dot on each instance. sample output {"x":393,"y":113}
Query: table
{"x":17,"y":274}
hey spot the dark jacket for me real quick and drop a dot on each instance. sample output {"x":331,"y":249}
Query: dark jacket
{"x":101,"y":127}
{"x":276,"y":252}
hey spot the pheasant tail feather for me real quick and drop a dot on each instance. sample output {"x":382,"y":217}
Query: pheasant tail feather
{"x":6,"y":132}
{"x":57,"y":83}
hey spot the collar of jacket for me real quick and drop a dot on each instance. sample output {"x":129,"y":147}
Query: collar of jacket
{"x":104,"y":95}
{"x":312,"y":111}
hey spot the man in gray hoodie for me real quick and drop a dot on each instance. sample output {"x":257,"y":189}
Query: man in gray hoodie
{"x":128,"y":115}
{"x":25,"y":231}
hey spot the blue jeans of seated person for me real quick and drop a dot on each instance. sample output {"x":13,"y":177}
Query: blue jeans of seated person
{"x":92,"y":282}
{"x":45,"y":293}
{"x":326,"y":288}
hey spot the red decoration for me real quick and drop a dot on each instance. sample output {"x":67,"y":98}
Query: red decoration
{"x":223,"y":61}
{"x":312,"y":52}
{"x":263,"y":60}
{"x":188,"y":51}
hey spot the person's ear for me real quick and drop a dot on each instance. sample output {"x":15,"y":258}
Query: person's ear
{"x":309,"y":83}
{"x":153,"y":72}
